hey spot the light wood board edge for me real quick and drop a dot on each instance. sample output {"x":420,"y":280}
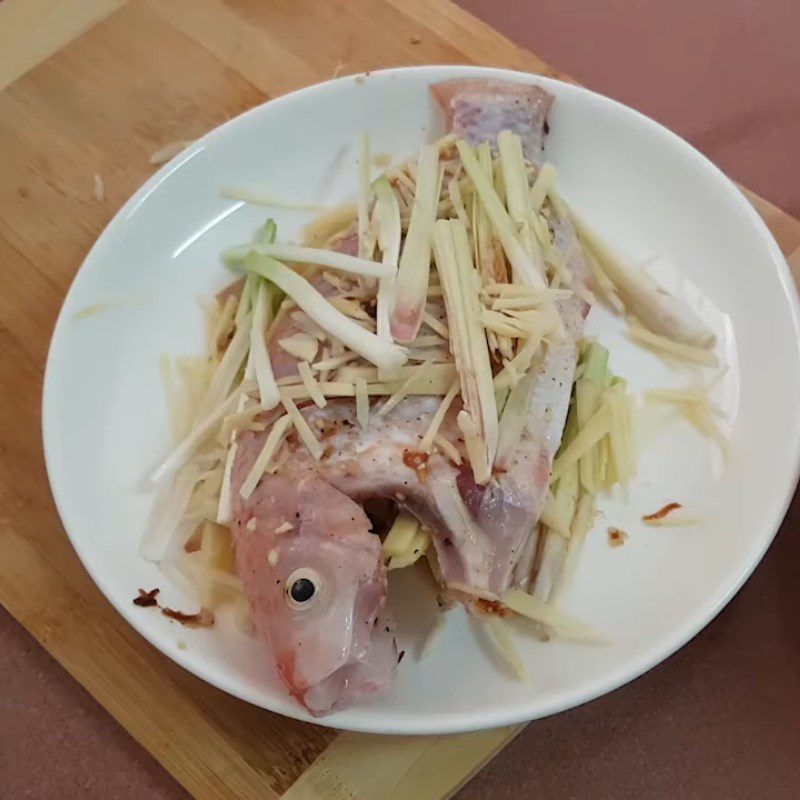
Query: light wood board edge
{"x":357,"y":765}
{"x":32,"y":30}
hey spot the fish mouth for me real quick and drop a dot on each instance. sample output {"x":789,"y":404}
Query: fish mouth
{"x":372,"y":672}
{"x":327,"y":695}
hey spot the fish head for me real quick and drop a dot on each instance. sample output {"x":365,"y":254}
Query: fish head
{"x":317,"y":592}
{"x":328,"y":598}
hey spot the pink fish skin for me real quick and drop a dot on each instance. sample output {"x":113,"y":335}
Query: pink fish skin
{"x":478,"y":109}
{"x":331,"y":648}
{"x":342,"y":645}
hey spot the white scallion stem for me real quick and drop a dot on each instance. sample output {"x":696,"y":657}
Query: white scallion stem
{"x":662,"y":313}
{"x":259,"y":355}
{"x":389,"y":235}
{"x":315,"y":306}
{"x":201,"y":431}
{"x":228,"y":368}
{"x":309,"y":255}
{"x":363,"y":194}
{"x":273,"y":441}
{"x":411,"y":285}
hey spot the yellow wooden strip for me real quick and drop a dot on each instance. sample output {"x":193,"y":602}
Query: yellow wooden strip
{"x":250,"y":50}
{"x":32,"y":30}
{"x":358,"y":765}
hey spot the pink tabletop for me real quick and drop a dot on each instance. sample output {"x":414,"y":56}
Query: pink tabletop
{"x":719,"y":719}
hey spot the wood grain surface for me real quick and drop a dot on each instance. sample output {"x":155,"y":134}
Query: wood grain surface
{"x":95,"y":86}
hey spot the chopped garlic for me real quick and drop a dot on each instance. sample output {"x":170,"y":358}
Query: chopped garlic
{"x":307,"y":325}
{"x":350,"y":308}
{"x":302,"y":346}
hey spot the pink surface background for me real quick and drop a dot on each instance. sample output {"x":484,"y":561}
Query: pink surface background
{"x":719,"y":719}
{"x":724,"y":74}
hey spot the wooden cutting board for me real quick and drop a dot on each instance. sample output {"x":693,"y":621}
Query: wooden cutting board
{"x":94,"y":87}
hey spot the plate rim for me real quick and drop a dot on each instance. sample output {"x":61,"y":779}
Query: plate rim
{"x":468,"y":720}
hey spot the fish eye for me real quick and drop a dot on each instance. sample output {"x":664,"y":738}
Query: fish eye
{"x":302,"y":588}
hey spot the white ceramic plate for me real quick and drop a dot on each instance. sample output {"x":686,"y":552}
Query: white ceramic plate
{"x":650,"y":193}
